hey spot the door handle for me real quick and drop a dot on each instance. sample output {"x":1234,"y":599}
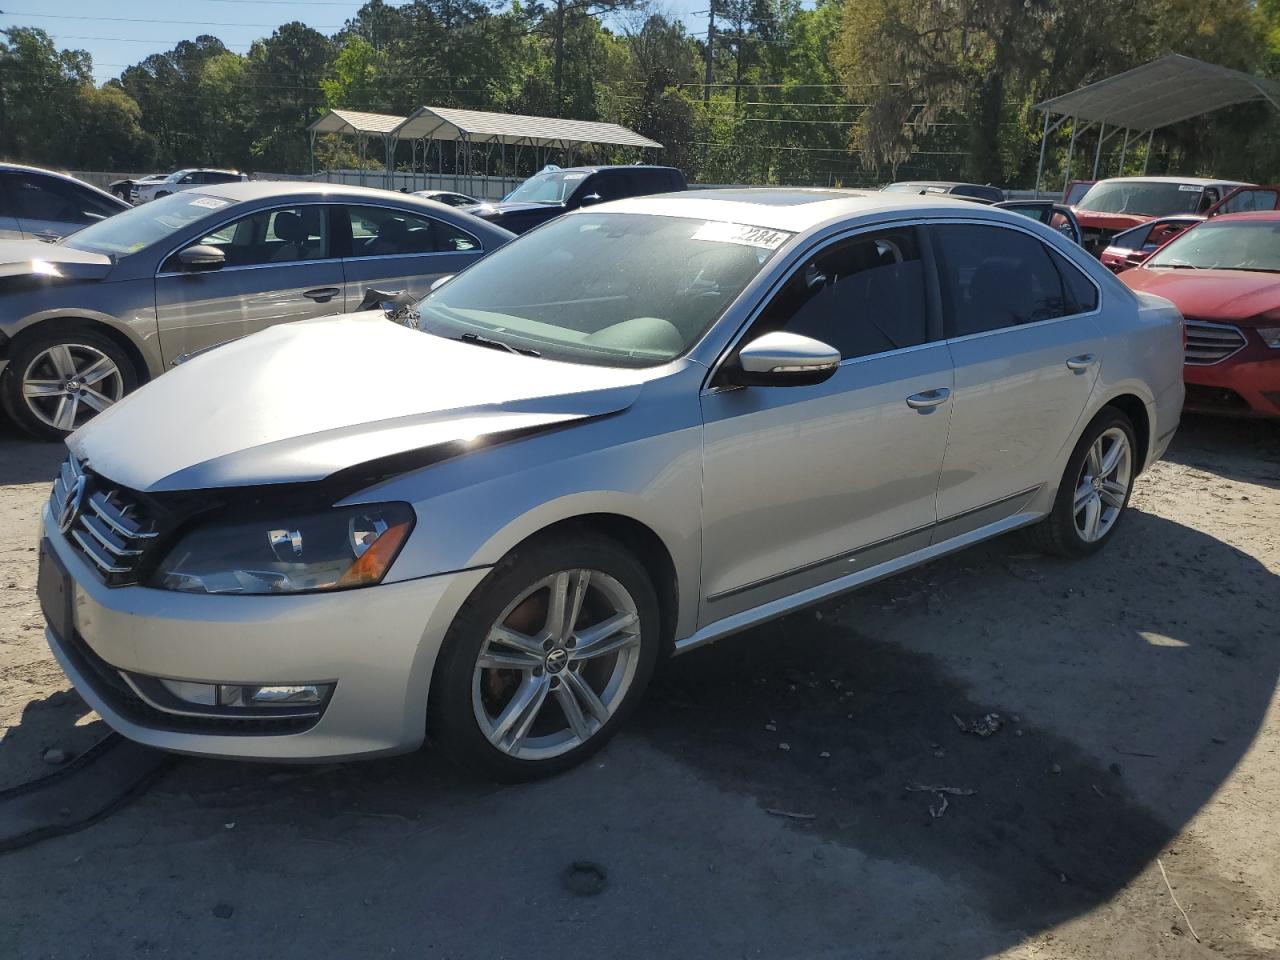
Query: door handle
{"x":1081,"y":363}
{"x":322,"y":294}
{"x":926,"y":401}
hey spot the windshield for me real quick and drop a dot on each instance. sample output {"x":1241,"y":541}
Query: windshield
{"x":131,"y":230}
{"x":553,"y":187}
{"x":1225,"y":245}
{"x":623,"y":290}
{"x":1142,"y":198}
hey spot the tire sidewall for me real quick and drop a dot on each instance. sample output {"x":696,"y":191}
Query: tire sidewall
{"x":11,"y":381}
{"x":451,"y":720}
{"x":1064,"y":508}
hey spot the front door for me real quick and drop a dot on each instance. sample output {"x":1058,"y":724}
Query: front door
{"x":1021,"y":328}
{"x":279,"y":267}
{"x":395,"y":250}
{"x":806,"y":484}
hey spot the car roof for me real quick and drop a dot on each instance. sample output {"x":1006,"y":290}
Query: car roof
{"x":239,"y":190}
{"x":1248,"y":215}
{"x":1198,"y":181}
{"x":25,"y":168}
{"x":611,"y":166}
{"x":796,"y":209}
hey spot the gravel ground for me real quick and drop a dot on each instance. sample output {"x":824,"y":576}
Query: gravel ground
{"x":1140,"y":719}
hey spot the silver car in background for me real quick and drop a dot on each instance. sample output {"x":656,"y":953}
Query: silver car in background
{"x":630,"y":432}
{"x":86,"y":320}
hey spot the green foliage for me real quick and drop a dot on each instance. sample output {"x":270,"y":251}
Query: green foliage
{"x":847,"y":92}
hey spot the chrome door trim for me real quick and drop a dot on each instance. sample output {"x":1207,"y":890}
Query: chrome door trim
{"x":401,"y":256}
{"x":988,"y":513}
{"x":784,"y":605}
{"x":785,"y":273}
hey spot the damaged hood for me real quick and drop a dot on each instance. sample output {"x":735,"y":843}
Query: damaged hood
{"x":22,"y":258}
{"x":302,"y":401}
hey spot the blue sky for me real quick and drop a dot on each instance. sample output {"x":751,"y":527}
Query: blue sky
{"x":126,"y":31}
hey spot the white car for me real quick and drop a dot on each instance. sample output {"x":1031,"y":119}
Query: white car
{"x":179,"y":180}
{"x":448,"y":198}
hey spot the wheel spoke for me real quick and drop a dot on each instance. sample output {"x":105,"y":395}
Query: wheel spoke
{"x":517,"y":717}
{"x":1083,"y":493}
{"x":65,"y":417}
{"x":557,"y":605}
{"x":61,"y":359}
{"x":586,"y":696}
{"x":1092,"y":517}
{"x":515,"y":640}
{"x":102,"y":368}
{"x":578,"y":588}
{"x":605,"y":637}
{"x":1113,"y":494}
{"x":1095,"y":459}
{"x":43,"y":388}
{"x":94,"y":400}
{"x":493,"y":659}
{"x":573,"y":712}
{"x":1112,"y":458}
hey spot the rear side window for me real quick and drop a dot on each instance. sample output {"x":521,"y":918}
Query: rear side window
{"x":1245,"y":200}
{"x":861,"y":296}
{"x":384,"y":232}
{"x":33,"y":197}
{"x":996,"y":277}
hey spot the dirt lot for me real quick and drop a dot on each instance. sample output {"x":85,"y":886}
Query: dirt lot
{"x":1139,"y":690}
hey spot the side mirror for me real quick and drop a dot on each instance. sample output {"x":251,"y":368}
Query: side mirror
{"x":441,"y":281}
{"x":202,"y":257}
{"x":589,"y":199}
{"x":781,"y":359}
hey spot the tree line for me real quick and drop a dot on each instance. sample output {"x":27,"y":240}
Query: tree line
{"x":843,"y":92}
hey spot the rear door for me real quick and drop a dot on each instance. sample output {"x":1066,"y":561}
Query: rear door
{"x":279,"y":267}
{"x":1245,"y":199}
{"x":394,"y":249}
{"x":1020,"y":325}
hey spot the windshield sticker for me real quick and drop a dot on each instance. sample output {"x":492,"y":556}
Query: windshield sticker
{"x":721,"y":232}
{"x":1188,"y":188}
{"x":213,"y":203}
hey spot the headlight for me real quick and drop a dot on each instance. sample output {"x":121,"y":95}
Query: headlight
{"x":1270,"y":336}
{"x":326,"y":550}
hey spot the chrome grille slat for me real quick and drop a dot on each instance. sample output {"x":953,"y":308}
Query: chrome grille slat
{"x":95,"y":553}
{"x":1209,"y":342}
{"x":116,"y":518}
{"x":100,"y":533}
{"x":111,"y":528}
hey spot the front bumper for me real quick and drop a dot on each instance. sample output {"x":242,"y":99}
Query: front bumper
{"x":1245,"y":384}
{"x":378,"y":645}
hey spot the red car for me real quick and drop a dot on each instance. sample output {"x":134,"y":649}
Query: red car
{"x":1224,"y":275}
{"x":1121,"y":203}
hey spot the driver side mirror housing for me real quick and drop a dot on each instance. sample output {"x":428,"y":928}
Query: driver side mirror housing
{"x":781,"y":359}
{"x":202,"y":257}
{"x":590,"y":199}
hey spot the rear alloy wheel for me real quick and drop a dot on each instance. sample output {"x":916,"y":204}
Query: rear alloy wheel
{"x":1094,"y":491}
{"x":545,"y":661}
{"x":55,"y":385}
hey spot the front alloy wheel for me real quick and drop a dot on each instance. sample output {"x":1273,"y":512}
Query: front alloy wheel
{"x":67,"y":383}
{"x":546,"y":658}
{"x":557,"y":664}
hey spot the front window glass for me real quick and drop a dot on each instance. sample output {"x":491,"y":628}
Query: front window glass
{"x":284,"y":235}
{"x":861,"y":296}
{"x":1142,"y":198}
{"x":553,"y":187}
{"x":131,"y":230}
{"x":1224,"y":245}
{"x":623,"y":290}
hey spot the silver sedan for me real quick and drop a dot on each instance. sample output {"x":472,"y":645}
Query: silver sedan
{"x":86,"y":320}
{"x":635,"y":430}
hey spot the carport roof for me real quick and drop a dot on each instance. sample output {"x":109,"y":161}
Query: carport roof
{"x":446,"y":123}
{"x":1162,"y":92}
{"x":353,"y":122}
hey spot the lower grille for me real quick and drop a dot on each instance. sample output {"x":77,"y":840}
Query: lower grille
{"x":1209,"y":342}
{"x":109,"y":525}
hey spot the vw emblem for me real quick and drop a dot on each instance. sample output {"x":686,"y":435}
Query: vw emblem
{"x":557,"y":659}
{"x":69,"y":509}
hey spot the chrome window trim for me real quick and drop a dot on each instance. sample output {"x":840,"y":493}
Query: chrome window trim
{"x":784,"y":274}
{"x":245,"y":266}
{"x":401,"y":256}
{"x":1096,"y":311}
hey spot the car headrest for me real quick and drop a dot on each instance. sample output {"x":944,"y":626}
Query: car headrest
{"x":290,"y":228}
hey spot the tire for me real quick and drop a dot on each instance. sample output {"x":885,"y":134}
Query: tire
{"x":474,"y":713}
{"x":41,"y":362}
{"x":1066,"y":530}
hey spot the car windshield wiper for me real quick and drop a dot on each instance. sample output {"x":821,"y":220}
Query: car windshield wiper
{"x":1250,"y":269}
{"x":480,"y":341}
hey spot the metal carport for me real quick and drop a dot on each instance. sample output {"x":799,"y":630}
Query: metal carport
{"x":468,"y":129}
{"x":1146,"y":98}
